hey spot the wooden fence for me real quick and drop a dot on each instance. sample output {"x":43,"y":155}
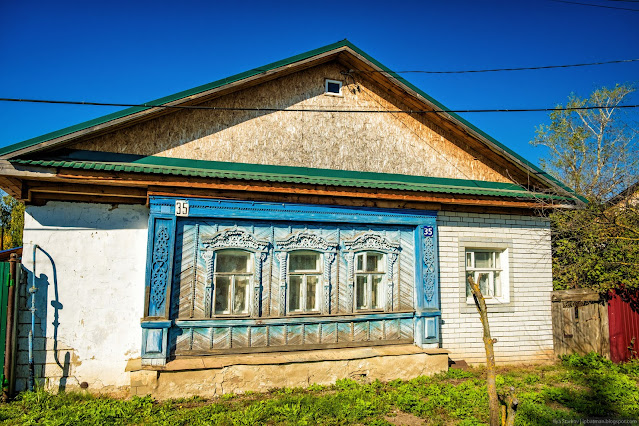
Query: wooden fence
{"x":580,"y":322}
{"x":623,"y":316}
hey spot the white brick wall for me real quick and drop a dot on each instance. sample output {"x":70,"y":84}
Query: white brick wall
{"x":522,"y":327}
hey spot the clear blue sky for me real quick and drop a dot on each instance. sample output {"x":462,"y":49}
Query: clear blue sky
{"x":135,"y":51}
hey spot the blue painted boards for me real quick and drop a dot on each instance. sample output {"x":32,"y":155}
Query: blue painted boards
{"x":181,"y":276}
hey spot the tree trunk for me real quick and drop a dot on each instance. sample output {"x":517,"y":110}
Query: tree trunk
{"x":493,"y":401}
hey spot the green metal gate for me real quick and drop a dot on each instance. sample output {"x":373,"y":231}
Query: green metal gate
{"x":5,"y":282}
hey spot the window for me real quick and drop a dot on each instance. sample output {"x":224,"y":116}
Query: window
{"x":488,"y":269}
{"x":333,"y":87}
{"x":304,"y":281}
{"x":369,"y":274}
{"x":232,"y":278}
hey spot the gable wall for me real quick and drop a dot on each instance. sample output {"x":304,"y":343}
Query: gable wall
{"x":376,"y":142}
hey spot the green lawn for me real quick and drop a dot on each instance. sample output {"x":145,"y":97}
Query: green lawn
{"x":576,"y":387}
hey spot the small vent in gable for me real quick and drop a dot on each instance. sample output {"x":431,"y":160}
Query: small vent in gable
{"x":333,"y":87}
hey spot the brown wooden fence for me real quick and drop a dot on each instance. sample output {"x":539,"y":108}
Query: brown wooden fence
{"x":580,"y":322}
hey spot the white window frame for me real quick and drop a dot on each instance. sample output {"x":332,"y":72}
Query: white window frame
{"x":305,"y":273}
{"x":503,"y":270}
{"x":249,"y":289}
{"x":381,"y":303}
{"x":341,"y":86}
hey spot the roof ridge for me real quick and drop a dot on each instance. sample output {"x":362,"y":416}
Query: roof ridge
{"x":497,"y":146}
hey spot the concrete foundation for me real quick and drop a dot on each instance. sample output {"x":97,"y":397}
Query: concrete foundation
{"x":218,"y":375}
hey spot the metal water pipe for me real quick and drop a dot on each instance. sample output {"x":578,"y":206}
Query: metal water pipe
{"x":32,"y":291}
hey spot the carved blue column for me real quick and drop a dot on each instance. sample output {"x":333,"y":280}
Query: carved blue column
{"x":156,"y":323}
{"x":427,"y":305}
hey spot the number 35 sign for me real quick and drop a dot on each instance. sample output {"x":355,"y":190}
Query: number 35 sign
{"x":181,"y":208}
{"x":428,"y":231}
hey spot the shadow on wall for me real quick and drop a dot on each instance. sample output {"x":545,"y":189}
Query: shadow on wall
{"x":42,"y":363}
{"x":62,"y":216}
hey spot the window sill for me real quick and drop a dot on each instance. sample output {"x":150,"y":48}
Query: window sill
{"x":491,"y":301}
{"x":297,"y":313}
{"x":229,"y":316}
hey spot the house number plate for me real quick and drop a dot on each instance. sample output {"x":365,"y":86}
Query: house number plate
{"x":181,"y":208}
{"x":428,"y":231}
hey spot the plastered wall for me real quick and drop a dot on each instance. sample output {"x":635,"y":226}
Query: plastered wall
{"x":90,"y":268}
{"x":523,"y":326}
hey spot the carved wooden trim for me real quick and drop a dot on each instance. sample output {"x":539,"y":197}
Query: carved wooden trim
{"x":305,"y":240}
{"x":236,"y":238}
{"x":371,"y":241}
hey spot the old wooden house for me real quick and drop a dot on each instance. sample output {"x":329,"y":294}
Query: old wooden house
{"x":262,"y":236}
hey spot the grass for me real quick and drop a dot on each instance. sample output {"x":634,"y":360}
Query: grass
{"x":575,"y":388}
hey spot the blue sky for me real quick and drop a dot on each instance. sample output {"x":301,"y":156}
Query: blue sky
{"x":136,"y":51}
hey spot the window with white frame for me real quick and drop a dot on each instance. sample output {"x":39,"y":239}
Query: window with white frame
{"x":232,"y":282}
{"x":489,"y":269}
{"x":369,"y":278}
{"x":304,"y":281}
{"x":333,"y":87}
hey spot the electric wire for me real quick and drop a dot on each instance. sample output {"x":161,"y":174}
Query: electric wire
{"x":544,"y":67}
{"x":595,"y":5}
{"x":318,"y":110}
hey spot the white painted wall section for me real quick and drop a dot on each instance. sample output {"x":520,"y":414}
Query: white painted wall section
{"x":522,"y":327}
{"x":90,"y":272}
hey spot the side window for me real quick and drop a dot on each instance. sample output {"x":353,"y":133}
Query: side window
{"x":304,"y":281}
{"x":486,"y":267}
{"x":369,"y":278}
{"x":232,"y":282}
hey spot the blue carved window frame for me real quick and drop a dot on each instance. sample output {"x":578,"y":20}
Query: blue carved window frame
{"x":161,"y":247}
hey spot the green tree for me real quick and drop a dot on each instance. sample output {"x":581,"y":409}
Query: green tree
{"x":12,"y":221}
{"x":596,"y":247}
{"x":593,"y":151}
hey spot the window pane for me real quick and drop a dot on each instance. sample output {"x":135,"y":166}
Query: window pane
{"x":497,"y":281}
{"x":241,"y":291}
{"x":360,"y":262}
{"x":222,"y":294}
{"x":374,"y":262}
{"x":304,"y":261}
{"x":484,"y":283}
{"x":231,"y":262}
{"x":376,"y":292}
{"x":311,"y":293}
{"x":469,"y":259}
{"x":498,"y":260}
{"x":294,"y":293}
{"x":483,"y":259}
{"x":361,"y":301}
{"x":332,"y":87}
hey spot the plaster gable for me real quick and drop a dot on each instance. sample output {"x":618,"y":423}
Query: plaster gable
{"x":375,"y":142}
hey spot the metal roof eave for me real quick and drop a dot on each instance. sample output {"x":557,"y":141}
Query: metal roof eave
{"x":287,"y":174}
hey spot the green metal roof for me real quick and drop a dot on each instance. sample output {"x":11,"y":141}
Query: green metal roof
{"x":272,"y":66}
{"x":285,"y":174}
{"x":174,"y":97}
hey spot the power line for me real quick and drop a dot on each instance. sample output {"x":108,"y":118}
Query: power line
{"x":359,"y":111}
{"x":544,"y":67}
{"x":595,"y":5}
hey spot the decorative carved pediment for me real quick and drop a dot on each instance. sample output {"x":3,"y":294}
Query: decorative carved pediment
{"x":371,"y":241}
{"x":235,"y":238}
{"x":305,"y":241}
